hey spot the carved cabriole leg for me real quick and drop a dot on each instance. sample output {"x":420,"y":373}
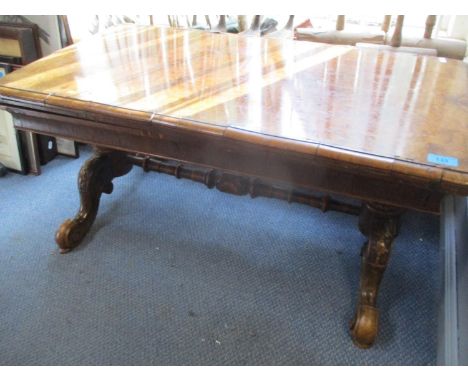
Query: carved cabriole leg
{"x":95,"y":177}
{"x":380,"y":224}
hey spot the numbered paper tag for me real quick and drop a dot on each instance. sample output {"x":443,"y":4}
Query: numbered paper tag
{"x":442,"y":160}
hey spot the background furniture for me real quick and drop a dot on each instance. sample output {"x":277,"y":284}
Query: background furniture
{"x":444,"y":47}
{"x":445,"y":34}
{"x":19,"y":45}
{"x":24,"y":40}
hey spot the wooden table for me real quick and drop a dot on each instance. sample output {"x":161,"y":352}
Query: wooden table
{"x":258,"y":116}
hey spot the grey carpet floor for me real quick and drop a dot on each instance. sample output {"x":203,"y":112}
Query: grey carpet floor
{"x":175,"y":274}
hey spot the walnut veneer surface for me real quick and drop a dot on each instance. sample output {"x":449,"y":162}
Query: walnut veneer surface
{"x":384,"y":110}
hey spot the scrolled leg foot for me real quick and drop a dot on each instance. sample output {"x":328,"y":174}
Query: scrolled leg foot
{"x":364,"y":326}
{"x":94,"y":179}
{"x":71,"y":233}
{"x":380,"y":224}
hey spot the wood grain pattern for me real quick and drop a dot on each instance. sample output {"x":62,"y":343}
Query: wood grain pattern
{"x":370,"y":108}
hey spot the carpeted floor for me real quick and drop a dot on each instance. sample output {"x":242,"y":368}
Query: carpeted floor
{"x":175,"y":274}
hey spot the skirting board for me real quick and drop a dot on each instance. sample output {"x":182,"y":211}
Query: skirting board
{"x":453,"y":309}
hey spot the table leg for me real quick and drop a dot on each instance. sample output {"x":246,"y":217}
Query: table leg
{"x":380,"y":224}
{"x":95,"y":177}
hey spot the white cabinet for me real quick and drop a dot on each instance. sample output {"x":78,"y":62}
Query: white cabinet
{"x":9,"y":143}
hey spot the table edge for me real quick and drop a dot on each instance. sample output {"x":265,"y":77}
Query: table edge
{"x":448,"y":180}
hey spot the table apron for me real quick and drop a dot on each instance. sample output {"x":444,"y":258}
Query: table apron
{"x":220,"y":152}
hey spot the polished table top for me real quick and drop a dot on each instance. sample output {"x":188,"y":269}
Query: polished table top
{"x":390,"y":110}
